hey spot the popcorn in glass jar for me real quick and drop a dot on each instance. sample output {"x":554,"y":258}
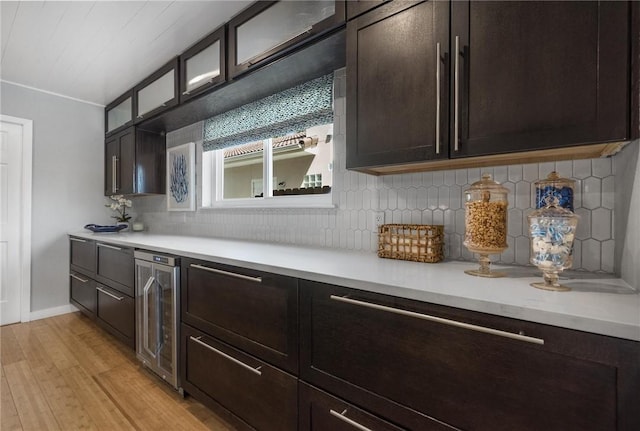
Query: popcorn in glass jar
{"x":485,"y":223}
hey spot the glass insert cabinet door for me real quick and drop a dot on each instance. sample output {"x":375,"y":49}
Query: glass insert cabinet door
{"x":268,"y":28}
{"x":119,"y":113}
{"x":157,"y":92}
{"x":203,"y":65}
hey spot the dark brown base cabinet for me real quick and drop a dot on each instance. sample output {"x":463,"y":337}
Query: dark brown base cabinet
{"x":421,"y":374}
{"x":239,"y":343}
{"x":115,"y":267}
{"x":321,"y":411}
{"x":83,"y":293}
{"x":258,"y":395}
{"x":82,"y":272}
{"x":115,"y":312}
{"x":101,"y":285}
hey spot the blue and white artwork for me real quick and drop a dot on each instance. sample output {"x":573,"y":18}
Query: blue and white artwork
{"x":181,"y":178}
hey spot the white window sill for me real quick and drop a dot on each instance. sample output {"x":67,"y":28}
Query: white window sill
{"x":295,"y":201}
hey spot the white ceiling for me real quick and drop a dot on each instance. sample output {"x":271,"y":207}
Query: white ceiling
{"x":96,"y":50}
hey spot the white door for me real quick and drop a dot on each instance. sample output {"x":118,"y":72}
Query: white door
{"x":14,"y":192}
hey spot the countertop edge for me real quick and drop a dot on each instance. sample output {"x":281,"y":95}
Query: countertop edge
{"x":624,"y":330}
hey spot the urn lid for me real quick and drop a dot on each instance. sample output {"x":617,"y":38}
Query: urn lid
{"x":486,"y":189}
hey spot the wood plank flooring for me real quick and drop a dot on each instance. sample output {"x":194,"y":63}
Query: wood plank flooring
{"x":66,"y":373}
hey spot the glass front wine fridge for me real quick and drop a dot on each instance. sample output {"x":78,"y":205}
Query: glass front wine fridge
{"x":157,"y":278}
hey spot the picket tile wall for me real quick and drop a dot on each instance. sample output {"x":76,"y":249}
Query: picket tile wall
{"x":426,"y":198}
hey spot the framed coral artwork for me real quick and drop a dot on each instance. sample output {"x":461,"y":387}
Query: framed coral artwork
{"x":181,"y":178}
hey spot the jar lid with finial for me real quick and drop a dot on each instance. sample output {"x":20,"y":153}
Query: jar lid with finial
{"x":555,"y":189}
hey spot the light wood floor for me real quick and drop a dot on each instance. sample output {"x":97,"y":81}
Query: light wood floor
{"x":66,"y":373}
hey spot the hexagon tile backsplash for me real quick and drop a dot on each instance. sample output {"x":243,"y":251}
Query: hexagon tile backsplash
{"x":418,"y":198}
{"x":438,"y":198}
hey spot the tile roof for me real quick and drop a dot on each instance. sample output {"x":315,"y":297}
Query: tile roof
{"x":256,"y":147}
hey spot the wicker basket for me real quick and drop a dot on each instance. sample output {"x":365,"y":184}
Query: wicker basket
{"x":415,"y":242}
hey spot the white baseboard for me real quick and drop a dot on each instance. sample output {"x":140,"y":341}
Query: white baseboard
{"x":54,"y":311}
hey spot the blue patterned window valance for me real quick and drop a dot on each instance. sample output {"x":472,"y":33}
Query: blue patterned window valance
{"x":289,"y":111}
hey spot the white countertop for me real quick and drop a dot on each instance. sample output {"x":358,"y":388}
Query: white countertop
{"x":605,"y":306}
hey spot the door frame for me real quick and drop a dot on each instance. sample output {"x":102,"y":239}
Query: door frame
{"x":25,"y":213}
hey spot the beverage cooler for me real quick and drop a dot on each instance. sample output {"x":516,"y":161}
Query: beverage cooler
{"x":157,"y":279}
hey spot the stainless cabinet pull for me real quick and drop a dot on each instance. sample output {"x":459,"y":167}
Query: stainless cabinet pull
{"x":456,"y":91}
{"x":112,"y":247}
{"x":114,"y":174}
{"x":145,"y":316}
{"x":438,"y":98}
{"x":78,"y":278}
{"x":440,"y":320}
{"x":78,"y":240}
{"x":232,"y":359}
{"x":119,"y":298}
{"x":186,"y":93}
{"x":140,"y":116}
{"x":351,"y":422}
{"x":230,"y":274}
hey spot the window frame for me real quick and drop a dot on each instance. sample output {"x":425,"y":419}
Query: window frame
{"x":212,"y":174}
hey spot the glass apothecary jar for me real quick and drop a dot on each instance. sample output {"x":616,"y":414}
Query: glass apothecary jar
{"x":552,"y":230}
{"x":555,"y":187}
{"x":486,"y":223}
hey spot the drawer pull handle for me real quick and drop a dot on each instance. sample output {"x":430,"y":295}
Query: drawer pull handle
{"x":78,"y":278}
{"x":224,"y":355}
{"x":230,"y":274}
{"x":351,"y":422}
{"x":118,"y":298}
{"x":440,"y":320}
{"x":78,"y":240}
{"x":109,"y":246}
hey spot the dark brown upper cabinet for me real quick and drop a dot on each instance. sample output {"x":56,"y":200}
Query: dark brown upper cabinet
{"x":358,"y":7}
{"x":118,"y":114}
{"x":397,"y":84}
{"x":203,"y":66}
{"x":267,"y":30}
{"x":134,"y":163}
{"x":535,"y":75}
{"x":157,"y":93}
{"x":511,"y":77}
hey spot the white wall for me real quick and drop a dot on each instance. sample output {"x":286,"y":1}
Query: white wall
{"x":68,"y":152}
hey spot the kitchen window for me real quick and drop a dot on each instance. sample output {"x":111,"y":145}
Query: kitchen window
{"x":298,"y":169}
{"x":275,"y":152}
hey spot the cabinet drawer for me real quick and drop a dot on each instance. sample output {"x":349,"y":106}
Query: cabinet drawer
{"x":262,"y":396}
{"x":115,"y":267}
{"x":116,"y":313}
{"x":83,"y":293}
{"x":254,"y":311}
{"x":83,"y":255}
{"x":428,"y":358}
{"x":320,"y":411}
